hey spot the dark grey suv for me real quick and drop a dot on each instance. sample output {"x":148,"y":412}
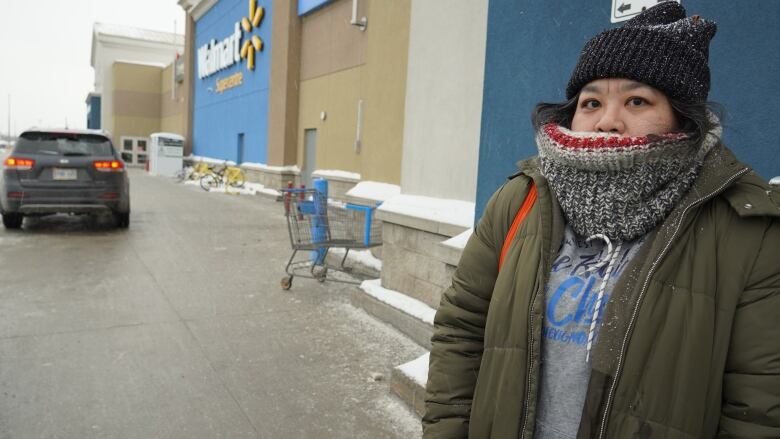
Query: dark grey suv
{"x":63,"y":171}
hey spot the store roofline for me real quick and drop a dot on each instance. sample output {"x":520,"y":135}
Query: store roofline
{"x":197,"y":8}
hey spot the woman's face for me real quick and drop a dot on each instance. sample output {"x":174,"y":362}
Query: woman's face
{"x":624,"y":107}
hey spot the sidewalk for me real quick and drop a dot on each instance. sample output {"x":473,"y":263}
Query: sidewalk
{"x":398,"y":311}
{"x":178,"y":328}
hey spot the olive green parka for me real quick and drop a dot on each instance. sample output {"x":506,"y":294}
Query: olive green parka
{"x":693,"y":350}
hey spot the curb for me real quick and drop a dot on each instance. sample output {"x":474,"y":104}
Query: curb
{"x":268,"y":196}
{"x":334,"y":258}
{"x":413,"y":327}
{"x":405,"y":382}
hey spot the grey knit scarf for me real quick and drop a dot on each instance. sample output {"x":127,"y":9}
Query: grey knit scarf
{"x":621,"y":187}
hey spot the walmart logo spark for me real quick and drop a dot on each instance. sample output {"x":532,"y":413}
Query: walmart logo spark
{"x":254,"y":44}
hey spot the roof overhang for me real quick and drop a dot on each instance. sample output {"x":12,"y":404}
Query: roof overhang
{"x":197,"y":8}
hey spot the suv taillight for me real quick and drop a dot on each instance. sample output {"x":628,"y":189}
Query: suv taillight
{"x":19,"y":164}
{"x":108,"y":165}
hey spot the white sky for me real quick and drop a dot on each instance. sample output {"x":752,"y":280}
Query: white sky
{"x":45,"y":48}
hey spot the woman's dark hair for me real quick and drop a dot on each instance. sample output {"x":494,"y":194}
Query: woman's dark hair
{"x":691,"y":118}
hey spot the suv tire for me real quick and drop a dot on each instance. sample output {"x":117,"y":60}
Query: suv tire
{"x":122,"y":219}
{"x":13,"y":220}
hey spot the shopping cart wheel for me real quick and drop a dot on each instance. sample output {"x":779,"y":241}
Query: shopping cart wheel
{"x":286,"y":282}
{"x":321,"y":275}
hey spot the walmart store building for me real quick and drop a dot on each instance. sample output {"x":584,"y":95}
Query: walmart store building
{"x":231,"y":81}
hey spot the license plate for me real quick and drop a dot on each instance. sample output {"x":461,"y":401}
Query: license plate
{"x":64,"y":174}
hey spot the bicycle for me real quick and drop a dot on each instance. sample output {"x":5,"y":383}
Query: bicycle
{"x":228,"y":176}
{"x":193,"y":173}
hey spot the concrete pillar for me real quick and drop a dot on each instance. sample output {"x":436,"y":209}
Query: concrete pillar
{"x":189,"y":82}
{"x":283,"y":94}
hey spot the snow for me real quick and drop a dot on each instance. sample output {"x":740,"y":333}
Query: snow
{"x":775,"y":181}
{"x":374,"y":190}
{"x":197,"y":158}
{"x":138,"y":33}
{"x":400,"y":301}
{"x":263,"y":167}
{"x":334,"y":173}
{"x":459,"y":241}
{"x":455,"y":212}
{"x":417,"y":369}
{"x":362,"y":257}
{"x":248,"y":189}
{"x":141,"y":63}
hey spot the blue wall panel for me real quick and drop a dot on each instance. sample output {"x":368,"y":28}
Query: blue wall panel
{"x":93,"y":116}
{"x":533,"y":45}
{"x":306,"y":6}
{"x":219,"y":118}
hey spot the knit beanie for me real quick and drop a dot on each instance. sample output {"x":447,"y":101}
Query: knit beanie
{"x":660,"y":47}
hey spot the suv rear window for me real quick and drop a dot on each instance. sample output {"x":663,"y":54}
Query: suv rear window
{"x":66,"y":144}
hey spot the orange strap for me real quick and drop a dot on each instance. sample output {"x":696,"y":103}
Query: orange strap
{"x":530,"y":199}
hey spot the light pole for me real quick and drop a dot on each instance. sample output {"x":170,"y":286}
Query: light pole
{"x":9,"y":118}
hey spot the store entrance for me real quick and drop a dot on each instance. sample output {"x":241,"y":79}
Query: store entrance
{"x":134,"y":150}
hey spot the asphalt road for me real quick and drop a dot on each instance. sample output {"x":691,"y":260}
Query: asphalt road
{"x":177,"y":328}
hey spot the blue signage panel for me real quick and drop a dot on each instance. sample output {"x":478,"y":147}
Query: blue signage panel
{"x":306,"y":6}
{"x":532,"y":47}
{"x":231,"y":81}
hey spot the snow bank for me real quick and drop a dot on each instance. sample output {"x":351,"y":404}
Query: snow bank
{"x":264,"y":167}
{"x":417,"y":369}
{"x":362,"y":257}
{"x":374,"y":190}
{"x":455,"y":212}
{"x":197,"y":158}
{"x":334,"y":173}
{"x":400,"y":301}
{"x":459,"y":241}
{"x":248,"y":189}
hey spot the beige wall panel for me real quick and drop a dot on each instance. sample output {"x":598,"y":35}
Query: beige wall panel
{"x":134,"y":126}
{"x":385,"y":91}
{"x":329,"y":43}
{"x":171,"y":106}
{"x":165,"y":79}
{"x":336,"y":94}
{"x":444,"y":98}
{"x":171,"y":103}
{"x":173,"y":124}
{"x":136,"y":104}
{"x":135,"y":77}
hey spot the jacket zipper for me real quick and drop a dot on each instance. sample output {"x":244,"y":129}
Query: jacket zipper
{"x":530,"y":354}
{"x":602,"y":429}
{"x":529,"y":364}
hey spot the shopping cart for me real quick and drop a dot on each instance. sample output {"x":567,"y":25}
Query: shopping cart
{"x":316,"y":226}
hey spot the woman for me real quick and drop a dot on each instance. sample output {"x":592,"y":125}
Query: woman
{"x":640,"y":295}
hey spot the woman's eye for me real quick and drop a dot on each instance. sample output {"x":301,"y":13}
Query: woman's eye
{"x":591,"y":104}
{"x":637,"y":101}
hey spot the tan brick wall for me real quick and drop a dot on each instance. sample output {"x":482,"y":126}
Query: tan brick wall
{"x":337,"y":95}
{"x":328,"y":43}
{"x":172,"y":104}
{"x":385,"y":91}
{"x":283,"y":94}
{"x":341,"y":65}
{"x":143,"y":103}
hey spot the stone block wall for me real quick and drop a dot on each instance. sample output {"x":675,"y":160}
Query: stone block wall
{"x":413,"y":262}
{"x":271,"y":179}
{"x":337,"y":186}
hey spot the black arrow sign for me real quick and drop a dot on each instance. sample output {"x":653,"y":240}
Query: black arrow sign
{"x":624,"y":7}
